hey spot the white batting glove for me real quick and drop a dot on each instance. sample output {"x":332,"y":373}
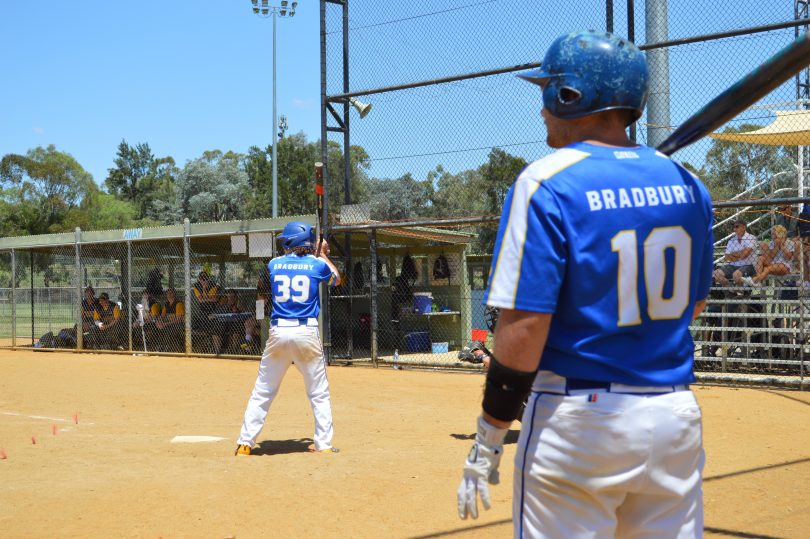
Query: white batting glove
{"x":480,"y":468}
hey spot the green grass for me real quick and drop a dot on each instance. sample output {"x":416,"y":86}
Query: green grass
{"x":48,"y":317}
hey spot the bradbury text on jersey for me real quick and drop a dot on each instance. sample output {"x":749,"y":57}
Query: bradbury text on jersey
{"x":638,"y":197}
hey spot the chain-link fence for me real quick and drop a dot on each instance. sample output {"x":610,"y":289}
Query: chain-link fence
{"x":411,"y":293}
{"x":185,"y":289}
{"x":752,"y":330}
{"x":449,"y":114}
{"x":406,"y":296}
{"x":425,"y":99}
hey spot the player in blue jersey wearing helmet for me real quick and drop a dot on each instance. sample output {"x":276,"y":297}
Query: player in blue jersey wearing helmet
{"x":295,"y":278}
{"x":603,"y":258}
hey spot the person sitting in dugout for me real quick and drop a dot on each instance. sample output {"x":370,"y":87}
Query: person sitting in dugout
{"x":107,"y":333}
{"x":230,"y":330}
{"x":207,"y":295}
{"x":89,"y":305}
{"x":151,"y":310}
{"x":171,"y":323}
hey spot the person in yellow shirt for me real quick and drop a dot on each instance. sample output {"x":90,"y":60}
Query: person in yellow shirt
{"x":171,"y":324}
{"x":107,"y":332}
{"x":151,"y":312}
{"x":207,"y":295}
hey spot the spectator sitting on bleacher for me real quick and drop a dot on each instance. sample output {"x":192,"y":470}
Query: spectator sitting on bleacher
{"x":776,"y":258}
{"x":740,"y":257}
{"x":107,"y":330}
{"x":785,"y":217}
{"x":171,"y":324}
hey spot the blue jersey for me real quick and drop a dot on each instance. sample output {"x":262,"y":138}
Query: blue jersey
{"x":294,"y":281}
{"x":617,"y":244}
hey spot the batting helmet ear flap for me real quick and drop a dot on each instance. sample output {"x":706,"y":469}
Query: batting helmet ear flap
{"x":568,"y":96}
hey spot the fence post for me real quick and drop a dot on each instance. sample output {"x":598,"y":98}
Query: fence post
{"x":187,"y":279}
{"x":77,"y":313}
{"x":13,"y":298}
{"x":33,"y":310}
{"x":373,"y":250}
{"x":129,"y":295}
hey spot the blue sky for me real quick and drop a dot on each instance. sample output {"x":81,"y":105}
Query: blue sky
{"x":193,"y":75}
{"x":184,"y":76}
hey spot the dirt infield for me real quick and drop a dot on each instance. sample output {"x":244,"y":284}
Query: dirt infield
{"x":402,"y":434}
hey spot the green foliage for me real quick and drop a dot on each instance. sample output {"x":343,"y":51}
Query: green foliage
{"x":210,"y":188}
{"x":102,"y":211}
{"x":141,"y":178}
{"x":39,"y":189}
{"x":401,"y":198}
{"x":457,"y":194}
{"x":733,"y":167}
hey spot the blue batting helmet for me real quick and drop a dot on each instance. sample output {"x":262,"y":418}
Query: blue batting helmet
{"x":297,"y":234}
{"x":591,"y":71}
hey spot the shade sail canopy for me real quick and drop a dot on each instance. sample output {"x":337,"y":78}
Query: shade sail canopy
{"x":791,"y":128}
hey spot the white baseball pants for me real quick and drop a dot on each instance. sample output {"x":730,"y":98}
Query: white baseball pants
{"x":300,"y":344}
{"x":609,"y":465}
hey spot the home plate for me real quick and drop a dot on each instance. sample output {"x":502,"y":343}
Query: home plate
{"x":195,"y":439}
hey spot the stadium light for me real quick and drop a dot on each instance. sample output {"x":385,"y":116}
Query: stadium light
{"x":267,"y":10}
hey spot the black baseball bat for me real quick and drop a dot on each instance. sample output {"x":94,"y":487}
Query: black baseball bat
{"x":739,"y":96}
{"x":319,"y":198}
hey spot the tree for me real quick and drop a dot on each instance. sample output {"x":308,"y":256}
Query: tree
{"x":46,"y":184}
{"x":102,"y":211}
{"x":457,"y":194}
{"x":400,"y":198}
{"x":140,"y":177}
{"x":497,"y":174}
{"x":733,"y":167}
{"x":210,"y":188}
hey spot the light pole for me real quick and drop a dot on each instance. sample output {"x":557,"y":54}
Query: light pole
{"x":286,"y":9}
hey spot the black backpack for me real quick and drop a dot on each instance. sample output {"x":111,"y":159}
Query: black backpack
{"x":441,"y":268}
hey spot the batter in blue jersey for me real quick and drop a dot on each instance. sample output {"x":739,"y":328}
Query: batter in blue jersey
{"x":603,"y":258}
{"x":294,"y":339}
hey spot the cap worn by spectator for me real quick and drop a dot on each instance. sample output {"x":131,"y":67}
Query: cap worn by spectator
{"x":104,"y":295}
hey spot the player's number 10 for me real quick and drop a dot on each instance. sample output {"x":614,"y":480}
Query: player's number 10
{"x":655,"y":273}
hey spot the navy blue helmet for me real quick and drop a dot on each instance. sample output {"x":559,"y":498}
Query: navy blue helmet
{"x":592,"y":71}
{"x":297,"y":234}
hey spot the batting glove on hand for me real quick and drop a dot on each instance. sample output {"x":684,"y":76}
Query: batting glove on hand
{"x":480,"y":468}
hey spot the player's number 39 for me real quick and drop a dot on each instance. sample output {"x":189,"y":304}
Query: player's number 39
{"x":295,"y":288}
{"x":655,"y":273}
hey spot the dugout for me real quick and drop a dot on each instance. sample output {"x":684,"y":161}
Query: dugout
{"x":378,"y":317}
{"x":42,"y":279}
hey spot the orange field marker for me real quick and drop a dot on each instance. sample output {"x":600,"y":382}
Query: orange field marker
{"x":34,"y":440}
{"x":76,"y":418}
{"x":3,"y":455}
{"x":54,"y":429}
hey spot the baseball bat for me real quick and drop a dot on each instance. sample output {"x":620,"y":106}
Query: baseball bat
{"x":739,"y":96}
{"x":319,"y":198}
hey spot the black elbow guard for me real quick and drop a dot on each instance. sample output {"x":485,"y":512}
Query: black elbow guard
{"x":505,"y":391}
